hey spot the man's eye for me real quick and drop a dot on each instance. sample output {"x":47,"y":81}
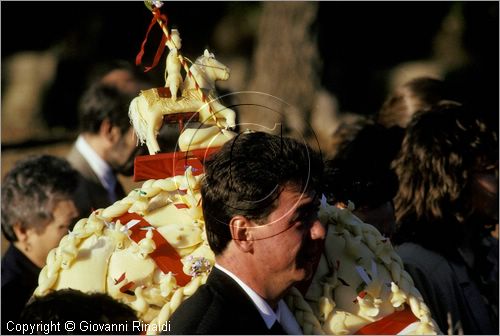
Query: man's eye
{"x":64,"y":226}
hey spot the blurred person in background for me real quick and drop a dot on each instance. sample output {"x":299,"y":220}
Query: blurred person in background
{"x":449,"y":161}
{"x":415,"y":95}
{"x":37,"y":211}
{"x":105,"y":147}
{"x":361,"y":172}
{"x":120,"y":74}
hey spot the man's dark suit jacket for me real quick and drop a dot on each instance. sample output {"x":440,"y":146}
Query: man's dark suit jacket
{"x":90,"y":194}
{"x":220,"y":306}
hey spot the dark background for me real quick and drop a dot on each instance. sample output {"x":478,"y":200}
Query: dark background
{"x":359,"y":43}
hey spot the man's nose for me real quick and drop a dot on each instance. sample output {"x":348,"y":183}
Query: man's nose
{"x":318,"y":230}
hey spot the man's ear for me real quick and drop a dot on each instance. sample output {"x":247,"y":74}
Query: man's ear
{"x":109,"y":132}
{"x":20,"y":232}
{"x":241,"y":232}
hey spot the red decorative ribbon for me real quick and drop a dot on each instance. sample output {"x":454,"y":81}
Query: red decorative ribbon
{"x":389,"y":325}
{"x":181,"y":206}
{"x":127,"y":286}
{"x":165,"y":256}
{"x":157,"y":16}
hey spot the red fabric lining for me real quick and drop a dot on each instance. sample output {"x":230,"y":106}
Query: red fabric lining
{"x":165,"y":256}
{"x":165,"y":165}
{"x":390,"y":324}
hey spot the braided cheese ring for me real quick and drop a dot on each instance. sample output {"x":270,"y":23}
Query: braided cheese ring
{"x":100,"y":256}
{"x":360,"y":280}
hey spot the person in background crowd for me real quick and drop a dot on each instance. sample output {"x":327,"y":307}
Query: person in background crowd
{"x":37,"y":211}
{"x":105,"y":147}
{"x":417,"y":94}
{"x":361,"y":172}
{"x":445,"y":153}
{"x":260,"y":197}
{"x":120,"y":74}
{"x":83,"y":311}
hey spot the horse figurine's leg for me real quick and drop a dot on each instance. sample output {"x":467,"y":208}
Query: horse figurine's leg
{"x":155,"y":121}
{"x":205,"y":114}
{"x":223,"y":113}
{"x":195,"y":138}
{"x":151,"y":142}
{"x":225,"y":116}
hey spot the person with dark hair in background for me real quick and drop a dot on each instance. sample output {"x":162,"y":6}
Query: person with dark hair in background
{"x":37,"y":211}
{"x":260,"y":196}
{"x":120,"y":74}
{"x":446,"y":152}
{"x":105,"y":147}
{"x":415,"y":95}
{"x":83,"y":311}
{"x":361,"y":172}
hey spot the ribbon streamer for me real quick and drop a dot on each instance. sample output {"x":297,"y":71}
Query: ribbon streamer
{"x":157,"y":16}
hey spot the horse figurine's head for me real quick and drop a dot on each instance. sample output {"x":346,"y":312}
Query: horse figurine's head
{"x":206,"y":70}
{"x":212,"y":67}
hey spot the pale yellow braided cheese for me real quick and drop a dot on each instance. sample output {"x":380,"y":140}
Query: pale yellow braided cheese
{"x":89,"y":269}
{"x":357,"y":259}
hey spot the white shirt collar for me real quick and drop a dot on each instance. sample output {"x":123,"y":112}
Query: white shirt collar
{"x":282,"y":313}
{"x":100,"y":167}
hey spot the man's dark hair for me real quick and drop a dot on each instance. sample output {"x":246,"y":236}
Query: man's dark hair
{"x":247,"y":176}
{"x":31,"y":190}
{"x":73,"y":305}
{"x":101,"y":102}
{"x":441,"y":150}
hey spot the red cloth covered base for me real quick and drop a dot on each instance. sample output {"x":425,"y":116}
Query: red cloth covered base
{"x":165,"y":165}
{"x":390,"y":324}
